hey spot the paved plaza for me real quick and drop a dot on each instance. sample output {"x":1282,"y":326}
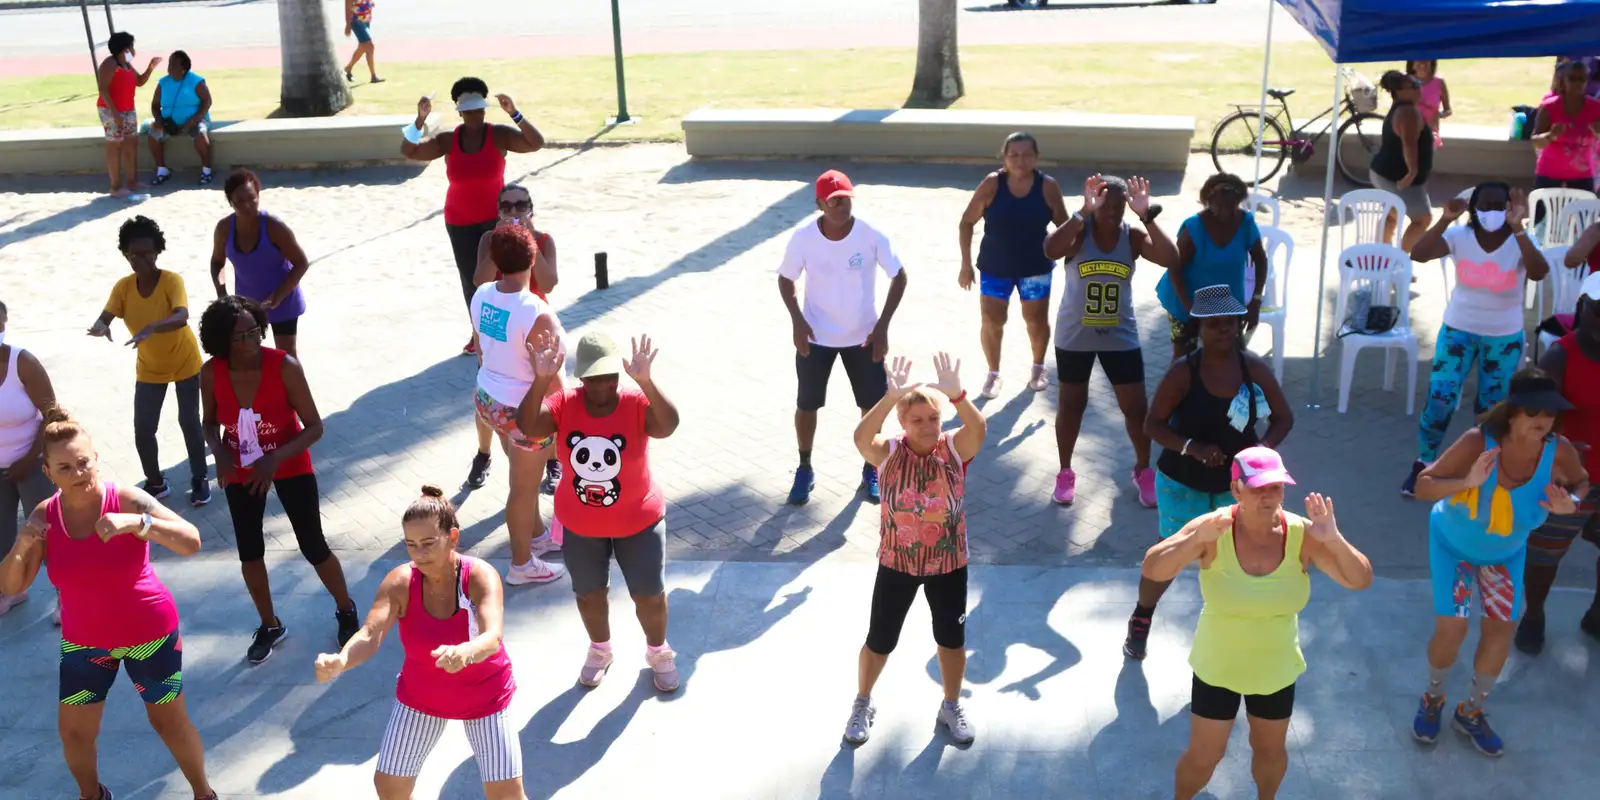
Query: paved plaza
{"x":768,"y":646}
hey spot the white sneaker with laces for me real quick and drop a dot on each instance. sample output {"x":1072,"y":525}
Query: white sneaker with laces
{"x":548,"y":543}
{"x":991,"y":386}
{"x":535,"y":571}
{"x":859,"y":728}
{"x":10,"y":601}
{"x":955,"y":719}
{"x":1039,"y":380}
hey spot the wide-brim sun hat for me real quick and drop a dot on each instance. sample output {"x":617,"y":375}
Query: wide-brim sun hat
{"x":597,"y":354}
{"x":1216,"y":301}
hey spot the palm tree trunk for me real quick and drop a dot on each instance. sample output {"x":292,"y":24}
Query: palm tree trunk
{"x":313,"y":85}
{"x":937,"y":83}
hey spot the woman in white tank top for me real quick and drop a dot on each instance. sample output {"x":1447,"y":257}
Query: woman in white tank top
{"x":25,"y":393}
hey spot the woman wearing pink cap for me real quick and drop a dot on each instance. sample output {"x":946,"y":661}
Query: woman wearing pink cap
{"x":450,"y":608}
{"x":1255,"y":562}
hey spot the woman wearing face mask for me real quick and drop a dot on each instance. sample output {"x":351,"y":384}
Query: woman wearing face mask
{"x":1565,"y":131}
{"x":268,"y":263}
{"x":1492,"y":488}
{"x":1215,"y":246}
{"x":118,"y":82}
{"x":1405,"y":157}
{"x":25,"y":394}
{"x":1483,"y":317}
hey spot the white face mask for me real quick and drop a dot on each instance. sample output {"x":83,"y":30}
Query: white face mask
{"x":1491,"y":221}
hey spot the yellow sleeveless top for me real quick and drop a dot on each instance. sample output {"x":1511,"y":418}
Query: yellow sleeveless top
{"x":1248,"y":640}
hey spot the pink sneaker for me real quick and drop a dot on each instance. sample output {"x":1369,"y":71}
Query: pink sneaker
{"x":1146,"y":481}
{"x":595,"y":665}
{"x":1066,"y":487}
{"x":665,"y":667}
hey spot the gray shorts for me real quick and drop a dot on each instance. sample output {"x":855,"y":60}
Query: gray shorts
{"x":1415,"y":195}
{"x":642,"y":557}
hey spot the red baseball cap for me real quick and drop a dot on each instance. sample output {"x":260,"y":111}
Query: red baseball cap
{"x":834,"y":183}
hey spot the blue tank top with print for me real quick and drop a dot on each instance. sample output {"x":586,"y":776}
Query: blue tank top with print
{"x":1469,"y":525}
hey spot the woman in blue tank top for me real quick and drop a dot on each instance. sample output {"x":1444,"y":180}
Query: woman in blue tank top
{"x":1496,"y":484}
{"x":1017,"y":205}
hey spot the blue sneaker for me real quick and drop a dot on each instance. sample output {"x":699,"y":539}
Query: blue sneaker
{"x":869,"y":483}
{"x":804,"y":481}
{"x":1429,"y":716}
{"x":1475,"y":726}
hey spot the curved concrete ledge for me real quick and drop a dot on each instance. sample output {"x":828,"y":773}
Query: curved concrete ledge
{"x":322,"y":141}
{"x":1109,"y":140}
{"x":1476,"y":151}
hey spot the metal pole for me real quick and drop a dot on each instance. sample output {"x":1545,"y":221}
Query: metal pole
{"x":88,"y":33}
{"x":111,"y":26}
{"x":1327,"y":205}
{"x":616,"y":47}
{"x":1266,"y":69}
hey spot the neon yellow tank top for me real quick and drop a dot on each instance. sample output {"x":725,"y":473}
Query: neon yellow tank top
{"x":1248,"y":640}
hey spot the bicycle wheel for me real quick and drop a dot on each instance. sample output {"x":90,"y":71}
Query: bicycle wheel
{"x":1233,"y":145}
{"x":1354,"y":162}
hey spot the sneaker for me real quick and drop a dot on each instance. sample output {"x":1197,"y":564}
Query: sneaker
{"x":1475,"y":726}
{"x":1145,"y":479}
{"x":199,"y":492}
{"x":1530,"y":635}
{"x":55,"y":613}
{"x":1590,"y":623}
{"x":158,"y":490}
{"x":1138,"y":635}
{"x":547,"y":543}
{"x":1425,"y":728}
{"x":594,"y":666}
{"x":552,"y":477}
{"x":1409,"y":488}
{"x":10,"y":601}
{"x":535,"y":571}
{"x":376,"y":79}
{"x":665,"y":666}
{"x":265,"y":640}
{"x":955,"y":719}
{"x":349,"y":625}
{"x":991,"y":386}
{"x":869,"y":483}
{"x":348,"y":76}
{"x":804,"y":481}
{"x":1066,"y":487}
{"x":207,"y":177}
{"x":471,"y":348}
{"x":859,"y":728}
{"x":162,"y":176}
{"x":479,"y":474}
{"x":105,"y":794}
{"x":1039,"y":380}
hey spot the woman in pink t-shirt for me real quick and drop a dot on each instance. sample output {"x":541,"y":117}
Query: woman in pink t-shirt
{"x":115,"y":612}
{"x":1565,"y":132}
{"x":450,"y":609}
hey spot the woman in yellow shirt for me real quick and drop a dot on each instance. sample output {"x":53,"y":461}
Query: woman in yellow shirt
{"x":154,"y":306}
{"x":1255,"y":563}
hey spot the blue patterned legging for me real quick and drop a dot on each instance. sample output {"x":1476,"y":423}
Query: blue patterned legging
{"x":1453,"y":355}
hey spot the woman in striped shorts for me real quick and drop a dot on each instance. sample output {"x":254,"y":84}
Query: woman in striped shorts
{"x":449,"y":607}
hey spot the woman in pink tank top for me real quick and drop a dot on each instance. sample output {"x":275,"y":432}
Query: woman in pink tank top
{"x":115,"y":612}
{"x":449,"y":608}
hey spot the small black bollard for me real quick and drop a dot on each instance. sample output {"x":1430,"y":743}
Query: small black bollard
{"x":602,"y":279}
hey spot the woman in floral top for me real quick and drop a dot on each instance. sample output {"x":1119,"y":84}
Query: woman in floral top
{"x":924,"y":536}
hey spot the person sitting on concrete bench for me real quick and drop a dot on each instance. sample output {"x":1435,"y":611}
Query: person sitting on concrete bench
{"x":182,"y":104}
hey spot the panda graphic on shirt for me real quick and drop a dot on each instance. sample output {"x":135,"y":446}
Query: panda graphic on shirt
{"x":596,"y":462}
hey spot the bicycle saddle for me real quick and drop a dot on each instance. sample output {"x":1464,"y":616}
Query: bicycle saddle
{"x":1279,"y":94}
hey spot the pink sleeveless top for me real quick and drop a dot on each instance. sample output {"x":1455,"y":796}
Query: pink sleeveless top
{"x":479,"y":690}
{"x":924,"y":520}
{"x":1429,"y":104}
{"x":110,"y":597}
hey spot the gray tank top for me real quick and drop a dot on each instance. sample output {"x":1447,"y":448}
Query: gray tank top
{"x":1097,"y":305}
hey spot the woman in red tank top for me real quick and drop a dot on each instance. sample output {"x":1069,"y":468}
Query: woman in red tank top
{"x":475,"y":166}
{"x":117,"y":83}
{"x":260,"y":421}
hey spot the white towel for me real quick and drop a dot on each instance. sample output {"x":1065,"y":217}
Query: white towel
{"x":249,"y":444}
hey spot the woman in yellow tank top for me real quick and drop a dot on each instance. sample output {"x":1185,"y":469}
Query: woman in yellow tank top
{"x":1255,"y":563}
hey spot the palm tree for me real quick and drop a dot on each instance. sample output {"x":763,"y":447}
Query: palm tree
{"x":937,"y":83}
{"x":313,"y":85}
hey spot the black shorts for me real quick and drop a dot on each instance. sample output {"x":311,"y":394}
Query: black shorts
{"x":1122,"y":366}
{"x":868,"y":380}
{"x":1214,"y":702}
{"x":288,"y":327}
{"x":892,"y":595}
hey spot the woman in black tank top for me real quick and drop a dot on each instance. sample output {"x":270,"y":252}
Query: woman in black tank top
{"x":1405,"y":157}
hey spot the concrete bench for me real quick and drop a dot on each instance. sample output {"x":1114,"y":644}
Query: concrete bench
{"x":321,"y":141}
{"x":1108,"y":140}
{"x":1475,"y":151}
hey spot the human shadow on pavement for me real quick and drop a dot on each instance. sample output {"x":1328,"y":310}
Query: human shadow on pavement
{"x":64,"y":220}
{"x":1024,"y":623}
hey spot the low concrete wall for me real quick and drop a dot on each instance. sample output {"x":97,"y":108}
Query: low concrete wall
{"x":1473,"y":151}
{"x":323,"y":141}
{"x":1109,"y":140}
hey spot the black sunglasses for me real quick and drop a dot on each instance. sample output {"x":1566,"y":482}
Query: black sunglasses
{"x":523,"y":205}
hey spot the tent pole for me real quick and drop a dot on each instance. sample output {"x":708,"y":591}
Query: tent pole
{"x":94,"y":61}
{"x":1266,"y":70}
{"x":1327,"y":205}
{"x":111,"y":27}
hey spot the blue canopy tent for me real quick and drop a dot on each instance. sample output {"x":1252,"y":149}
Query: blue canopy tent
{"x":1354,"y":31}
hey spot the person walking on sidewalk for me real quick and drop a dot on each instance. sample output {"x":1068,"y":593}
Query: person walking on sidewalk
{"x":474,"y":155}
{"x":451,"y":610}
{"x":1205,"y":412}
{"x":115,"y":612}
{"x":154,"y":305}
{"x":1574,"y":364}
{"x":358,"y":22}
{"x":923,"y":540}
{"x":1492,"y":488}
{"x":118,"y":82}
{"x":1404,"y":160}
{"x":1215,"y":246}
{"x":840,"y":256}
{"x":1017,"y":204}
{"x":261,"y":420}
{"x":25,"y":394}
{"x":608,"y":500}
{"x":270,"y":271}
{"x":509,"y":320}
{"x":1255,"y":561}
{"x":1096,"y":318}
{"x":182,"y":104}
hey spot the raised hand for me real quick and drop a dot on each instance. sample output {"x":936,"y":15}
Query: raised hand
{"x":330,"y":666}
{"x":154,"y":62}
{"x":1517,"y":211}
{"x":110,"y":525}
{"x":100,"y":329}
{"x":638,"y":367}
{"x":899,"y":373}
{"x":451,"y":658}
{"x":1454,"y":208}
{"x":1319,"y":510}
{"x":546,"y":356}
{"x":507,"y":104}
{"x":1214,"y":524}
{"x":1558,"y":501}
{"x":1091,"y":193}
{"x":1479,"y":474}
{"x":1139,"y":196}
{"x":949,"y":375}
{"x":424,"y":108}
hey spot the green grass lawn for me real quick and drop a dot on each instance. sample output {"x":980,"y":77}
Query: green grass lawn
{"x":571,"y":97}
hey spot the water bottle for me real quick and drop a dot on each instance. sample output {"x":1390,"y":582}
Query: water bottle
{"x":1519,"y":121}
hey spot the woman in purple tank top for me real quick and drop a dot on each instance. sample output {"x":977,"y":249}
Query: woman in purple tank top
{"x":268,"y":263}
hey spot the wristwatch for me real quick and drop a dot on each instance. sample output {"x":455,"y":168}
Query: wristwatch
{"x":145,"y":520}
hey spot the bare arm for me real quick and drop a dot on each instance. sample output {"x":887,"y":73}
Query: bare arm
{"x":524,"y":138}
{"x":155,"y":106}
{"x":212,"y":427}
{"x":280,"y":235}
{"x":968,"y":438}
{"x":304,"y":406}
{"x":486,"y":269}
{"x":1408,"y":127}
{"x":166,"y":528}
{"x":1337,"y":558}
{"x":219,"y":256}
{"x":1195,"y":542}
{"x":1054,"y":199}
{"x":661,"y":419}
{"x":1180,"y":285}
{"x":1579,"y":253}
{"x":534,"y":419}
{"x":1067,"y":239}
{"x":202,"y":91}
{"x":144,"y":77}
{"x":1282,"y":419}
{"x":387,"y":607}
{"x":36,"y":382}
{"x":431,"y":148}
{"x":1568,"y":471}
{"x":1447,"y":476}
{"x":1169,"y":393}
{"x":544,"y":263}
{"x":171,"y":322}
{"x":969,"y":219}
{"x":21,"y":564}
{"x":1432,"y":245}
{"x":1533,"y":259}
{"x":1156,"y":247}
{"x":488,"y":597}
{"x":897,"y":290}
{"x":103,"y":75}
{"x":870,"y":441}
{"x":1444,"y":99}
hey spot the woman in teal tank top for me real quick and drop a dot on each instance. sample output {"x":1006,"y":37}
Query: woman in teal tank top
{"x":1255,"y":562}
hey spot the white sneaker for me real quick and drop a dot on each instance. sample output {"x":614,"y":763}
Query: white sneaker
{"x":955,"y":719}
{"x":548,"y":543}
{"x":535,"y":571}
{"x":10,"y":601}
{"x":1039,"y":379}
{"x":991,"y":386}
{"x":55,"y":615}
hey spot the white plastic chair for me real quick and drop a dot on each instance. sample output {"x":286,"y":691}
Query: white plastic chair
{"x":1547,"y":233}
{"x":1575,"y":217}
{"x":1385,"y":270}
{"x":1259,"y":201}
{"x":1275,"y":303}
{"x":1368,"y":210}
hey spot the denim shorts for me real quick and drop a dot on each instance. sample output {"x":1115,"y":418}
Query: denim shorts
{"x":362,"y":30}
{"x":1033,"y":287}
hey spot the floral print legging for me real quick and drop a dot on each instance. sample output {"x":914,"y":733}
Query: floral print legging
{"x":1453,"y":355}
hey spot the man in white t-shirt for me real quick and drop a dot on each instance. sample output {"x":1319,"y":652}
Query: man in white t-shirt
{"x":839,"y":256}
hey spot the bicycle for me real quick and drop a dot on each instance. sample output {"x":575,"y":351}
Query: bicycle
{"x":1233,"y":141}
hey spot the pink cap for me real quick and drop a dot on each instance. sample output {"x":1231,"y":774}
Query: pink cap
{"x":1260,"y":466}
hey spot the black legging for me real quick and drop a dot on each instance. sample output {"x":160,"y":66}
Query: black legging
{"x":892,"y":596}
{"x":464,"y":244}
{"x":301,"y":505}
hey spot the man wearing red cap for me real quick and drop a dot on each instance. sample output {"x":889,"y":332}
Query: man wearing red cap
{"x":839,"y":256}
